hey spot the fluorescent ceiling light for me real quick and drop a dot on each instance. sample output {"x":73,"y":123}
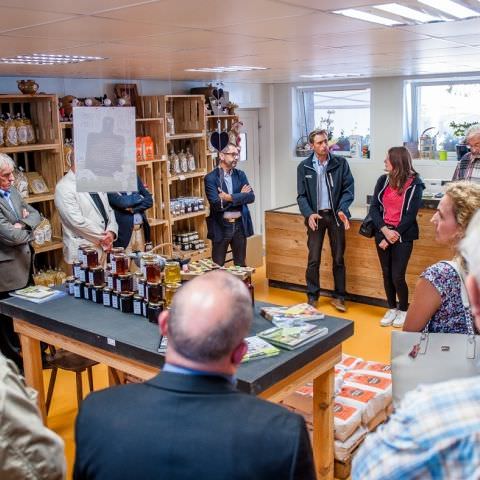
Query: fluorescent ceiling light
{"x":233,"y":68}
{"x":331,"y":75}
{"x":368,"y":17}
{"x":407,"y":12}
{"x":454,"y":9}
{"x":47,"y":59}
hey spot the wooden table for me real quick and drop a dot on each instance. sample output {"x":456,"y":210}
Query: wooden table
{"x":129,"y":343}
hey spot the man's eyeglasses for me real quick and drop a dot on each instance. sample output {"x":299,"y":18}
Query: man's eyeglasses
{"x":233,"y":154}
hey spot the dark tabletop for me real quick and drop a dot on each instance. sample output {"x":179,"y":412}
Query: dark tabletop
{"x":135,"y":338}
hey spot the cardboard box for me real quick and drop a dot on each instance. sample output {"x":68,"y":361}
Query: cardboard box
{"x":255,"y":251}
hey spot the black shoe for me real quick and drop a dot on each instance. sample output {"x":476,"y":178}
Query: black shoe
{"x":312,"y":302}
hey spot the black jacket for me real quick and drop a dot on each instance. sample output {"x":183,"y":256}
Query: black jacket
{"x":186,"y":427}
{"x":339,"y":183}
{"x":408,"y":226}
{"x":125,"y":206}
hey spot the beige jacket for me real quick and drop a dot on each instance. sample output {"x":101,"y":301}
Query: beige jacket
{"x":15,"y":251}
{"x":28,"y":449}
{"x":81,"y":220}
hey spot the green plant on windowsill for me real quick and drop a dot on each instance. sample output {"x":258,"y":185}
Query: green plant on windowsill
{"x":460,"y":129}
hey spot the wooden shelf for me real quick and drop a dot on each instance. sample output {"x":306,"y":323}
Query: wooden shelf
{"x":153,"y":222}
{"x":34,"y":147}
{"x":148,"y":162}
{"x":185,"y":176}
{"x":184,"y":136}
{"x":40,"y":197}
{"x":194,"y":254}
{"x":189,"y":215}
{"x":221,"y":116}
{"x":149,"y":119}
{"x":55,"y":244}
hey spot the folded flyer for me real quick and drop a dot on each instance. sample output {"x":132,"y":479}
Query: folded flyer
{"x":295,"y":336}
{"x":258,"y":348}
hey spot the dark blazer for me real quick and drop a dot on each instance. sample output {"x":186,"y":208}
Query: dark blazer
{"x":136,"y":202}
{"x":340,"y":186}
{"x":217,"y":208}
{"x":15,"y":251}
{"x":408,"y":226}
{"x":185,"y":427}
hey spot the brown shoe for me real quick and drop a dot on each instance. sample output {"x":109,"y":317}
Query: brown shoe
{"x":339,"y":304}
{"x":312,"y":302}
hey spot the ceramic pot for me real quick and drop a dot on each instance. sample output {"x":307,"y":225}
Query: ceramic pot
{"x":27,"y":87}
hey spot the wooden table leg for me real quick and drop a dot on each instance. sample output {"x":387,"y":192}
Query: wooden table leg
{"x":323,"y":438}
{"x":32,"y":365}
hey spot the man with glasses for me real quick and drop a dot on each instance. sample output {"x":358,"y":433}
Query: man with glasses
{"x":17,"y":222}
{"x":229,"y":222}
{"x":468,"y":167}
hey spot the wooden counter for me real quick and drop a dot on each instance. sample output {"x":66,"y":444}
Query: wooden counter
{"x":286,"y":254}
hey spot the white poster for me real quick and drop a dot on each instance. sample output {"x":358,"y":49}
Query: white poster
{"x":104,"y":144}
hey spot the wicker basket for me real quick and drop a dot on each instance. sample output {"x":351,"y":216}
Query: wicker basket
{"x":302,"y":148}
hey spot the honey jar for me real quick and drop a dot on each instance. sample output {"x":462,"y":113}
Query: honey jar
{"x":154,"y":292}
{"x":119,"y":264}
{"x":153,"y":311}
{"x":172,"y":272}
{"x":153,"y":273}
{"x":91,"y":255}
{"x":170,"y":290}
{"x":124,"y":283}
{"x":96,"y":276}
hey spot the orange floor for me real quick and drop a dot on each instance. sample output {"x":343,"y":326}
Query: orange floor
{"x":370,"y":341}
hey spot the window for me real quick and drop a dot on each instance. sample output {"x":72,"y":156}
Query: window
{"x":344,"y":113}
{"x":437,"y":105}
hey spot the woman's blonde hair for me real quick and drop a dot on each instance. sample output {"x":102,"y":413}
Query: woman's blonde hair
{"x":465,"y":197}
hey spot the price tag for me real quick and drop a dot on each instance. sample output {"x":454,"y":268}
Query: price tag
{"x":111,"y":342}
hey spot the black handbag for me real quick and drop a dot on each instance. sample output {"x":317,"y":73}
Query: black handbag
{"x":367,"y":229}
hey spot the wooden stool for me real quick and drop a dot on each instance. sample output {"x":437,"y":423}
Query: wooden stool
{"x":74,"y":363}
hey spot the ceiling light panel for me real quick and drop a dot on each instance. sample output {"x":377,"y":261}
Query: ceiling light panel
{"x":48,"y":59}
{"x":232,"y":68}
{"x":451,"y":8}
{"x":407,"y":12}
{"x":368,"y":17}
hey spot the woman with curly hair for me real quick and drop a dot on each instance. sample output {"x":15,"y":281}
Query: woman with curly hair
{"x":437,"y":304}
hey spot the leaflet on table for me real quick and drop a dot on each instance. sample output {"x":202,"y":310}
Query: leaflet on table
{"x":300,"y":311}
{"x":258,"y":348}
{"x":38,"y":294}
{"x":290,"y":337}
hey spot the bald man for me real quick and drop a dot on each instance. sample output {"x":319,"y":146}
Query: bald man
{"x":190,"y":422}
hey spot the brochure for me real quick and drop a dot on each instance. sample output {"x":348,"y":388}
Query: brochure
{"x":258,"y":348}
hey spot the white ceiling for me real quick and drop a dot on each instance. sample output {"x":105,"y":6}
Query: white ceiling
{"x":159,"y":39}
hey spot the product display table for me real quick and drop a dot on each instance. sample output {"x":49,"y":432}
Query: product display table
{"x":129,"y":343}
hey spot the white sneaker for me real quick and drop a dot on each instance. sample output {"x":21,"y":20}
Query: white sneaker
{"x":389,"y":317}
{"x":400,"y":319}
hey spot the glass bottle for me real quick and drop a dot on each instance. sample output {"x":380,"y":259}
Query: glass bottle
{"x":190,"y":160}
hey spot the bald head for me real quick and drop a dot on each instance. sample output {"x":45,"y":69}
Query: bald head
{"x":209,"y":317}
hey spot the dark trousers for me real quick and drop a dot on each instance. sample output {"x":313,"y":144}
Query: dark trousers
{"x":336,"y":236}
{"x":232,"y":236}
{"x":9,"y":341}
{"x":394,"y":262}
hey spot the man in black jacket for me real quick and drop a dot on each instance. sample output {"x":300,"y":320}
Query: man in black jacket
{"x":324,"y":195}
{"x":190,"y":422}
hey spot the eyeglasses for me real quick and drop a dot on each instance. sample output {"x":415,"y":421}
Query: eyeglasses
{"x":233,"y":154}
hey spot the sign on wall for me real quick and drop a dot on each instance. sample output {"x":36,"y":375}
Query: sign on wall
{"x":104,"y":145}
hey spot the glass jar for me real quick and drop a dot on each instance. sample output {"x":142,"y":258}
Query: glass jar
{"x":97,"y":294}
{"x":83,"y":276}
{"x":115,"y":300}
{"x":69,"y":282}
{"x":111,"y":280}
{"x":145,"y":308}
{"x":136,"y":277}
{"x":87,"y":291}
{"x":124,"y":283}
{"x":120,"y":264}
{"x":78,"y":287}
{"x":81,"y":253}
{"x":126,"y":302}
{"x":153,"y":272}
{"x":141,"y":286}
{"x":107,"y":297}
{"x":92,"y":257}
{"x":154,"y":292}
{"x":76,"y":269}
{"x":170,"y":290}
{"x":112,"y":252}
{"x":172,"y":272}
{"x":137,"y":304}
{"x":153,"y":311}
{"x":96,"y":276}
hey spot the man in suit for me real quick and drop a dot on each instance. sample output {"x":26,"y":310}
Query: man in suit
{"x":17,"y":222}
{"x":87,"y":218}
{"x":190,"y":422}
{"x":129,"y":208}
{"x":229,"y":222}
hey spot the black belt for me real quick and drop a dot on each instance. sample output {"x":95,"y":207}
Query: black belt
{"x":325,"y":210}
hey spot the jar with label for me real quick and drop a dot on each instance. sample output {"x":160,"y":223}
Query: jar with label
{"x":154,"y":292}
{"x":153,"y":272}
{"x":92,"y":257}
{"x":145,"y":308}
{"x":141,"y":286}
{"x":78,"y":287}
{"x":69,"y":283}
{"x":107,"y":297}
{"x":137,"y":304}
{"x":120,"y":264}
{"x":153,"y":311}
{"x":87,"y":291}
{"x":135,"y":279}
{"x":97,"y":294}
{"x":83,"y":274}
{"x":124,"y":283}
{"x":172,"y":272}
{"x":170,"y":290}
{"x":111,"y":254}
{"x":96,"y":276}
{"x":115,"y":300}
{"x":126,"y":302}
{"x":81,"y":253}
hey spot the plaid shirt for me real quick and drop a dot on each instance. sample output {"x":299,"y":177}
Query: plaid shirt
{"x":468,"y":168}
{"x":435,"y":434}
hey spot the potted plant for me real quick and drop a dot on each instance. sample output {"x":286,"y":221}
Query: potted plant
{"x":459,"y":131}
